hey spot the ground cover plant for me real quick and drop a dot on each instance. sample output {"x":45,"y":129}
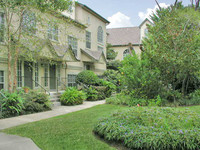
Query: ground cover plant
{"x":152,"y":128}
{"x":68,"y":132}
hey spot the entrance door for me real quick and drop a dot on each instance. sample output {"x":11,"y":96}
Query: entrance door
{"x":53,"y":77}
{"x":28,"y":74}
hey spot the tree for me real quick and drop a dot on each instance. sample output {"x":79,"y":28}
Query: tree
{"x":14,"y":14}
{"x":173,"y":47}
{"x":110,"y":53}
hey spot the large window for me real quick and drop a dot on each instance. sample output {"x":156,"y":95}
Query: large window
{"x":88,"y":39}
{"x":59,"y":74}
{"x":36,"y":75}
{"x":87,"y":67}
{"x":126,"y":53}
{"x":53,"y":32}
{"x":19,"y":74}
{"x":1,"y":80}
{"x":72,"y":80}
{"x":46,"y":75}
{"x":100,"y":34}
{"x":2,"y":27}
{"x":29,"y":22}
{"x":74,"y":44}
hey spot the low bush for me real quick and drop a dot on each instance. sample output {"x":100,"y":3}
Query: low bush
{"x":152,"y":128}
{"x":87,"y":77}
{"x":12,"y":105}
{"x":92,"y":94}
{"x":72,"y":97}
{"x":36,"y":101}
{"x":109,"y":87}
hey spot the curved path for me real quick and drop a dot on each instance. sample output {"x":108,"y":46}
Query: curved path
{"x":12,"y":142}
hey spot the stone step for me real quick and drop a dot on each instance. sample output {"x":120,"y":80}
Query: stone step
{"x":54,"y":99}
{"x":56,"y":104}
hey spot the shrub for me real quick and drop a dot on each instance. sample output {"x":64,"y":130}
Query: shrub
{"x":114,"y":65}
{"x":72,"y":97}
{"x":110,"y":87}
{"x":35,"y":99}
{"x":152,"y":128}
{"x":12,"y":105}
{"x":92,"y":94}
{"x":87,"y":77}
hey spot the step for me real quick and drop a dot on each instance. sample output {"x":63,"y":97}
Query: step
{"x":56,"y":104}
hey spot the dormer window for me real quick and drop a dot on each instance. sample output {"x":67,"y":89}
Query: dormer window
{"x":53,"y":32}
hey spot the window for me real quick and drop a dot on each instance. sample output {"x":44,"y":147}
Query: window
{"x":126,"y":53}
{"x":58,"y":74}
{"x":146,"y":32}
{"x":87,"y":66}
{"x":74,"y":44}
{"x":36,"y":75}
{"x":53,"y":32}
{"x":100,"y":34}
{"x":29,"y":22}
{"x":100,"y":48}
{"x":46,"y":74}
{"x":2,"y":27}
{"x":72,"y":80}
{"x":88,"y":39}
{"x":1,"y":80}
{"x":19,"y":74}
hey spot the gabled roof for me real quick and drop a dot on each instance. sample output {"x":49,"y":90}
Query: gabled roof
{"x":92,"y":12}
{"x":123,"y":36}
{"x":144,"y":22}
{"x":96,"y":55}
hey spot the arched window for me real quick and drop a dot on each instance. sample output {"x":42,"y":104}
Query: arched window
{"x":126,"y":53}
{"x":100,"y":34}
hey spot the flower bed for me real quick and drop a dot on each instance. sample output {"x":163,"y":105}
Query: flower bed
{"x":152,"y":128}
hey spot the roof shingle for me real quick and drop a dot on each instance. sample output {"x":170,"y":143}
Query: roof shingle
{"x":124,"y":36}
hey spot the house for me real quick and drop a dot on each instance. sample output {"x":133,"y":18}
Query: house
{"x":65,"y":44}
{"x":124,"y":40}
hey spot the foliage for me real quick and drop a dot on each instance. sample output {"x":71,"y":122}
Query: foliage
{"x":72,"y":97}
{"x":114,"y":77}
{"x":110,"y":53}
{"x":142,"y":81}
{"x":152,"y":128}
{"x":114,"y":64}
{"x":87,"y":77}
{"x":36,"y":101}
{"x":12,"y":105}
{"x":172,"y":47}
{"x":92,"y":94}
{"x":109,"y":87}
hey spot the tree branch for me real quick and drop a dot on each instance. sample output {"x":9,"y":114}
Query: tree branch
{"x":175,"y":2}
{"x":197,"y":5}
{"x":158,"y":5}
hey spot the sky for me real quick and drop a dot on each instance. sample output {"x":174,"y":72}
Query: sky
{"x":126,"y":13}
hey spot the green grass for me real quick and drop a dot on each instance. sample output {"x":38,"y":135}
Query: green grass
{"x":71,"y":131}
{"x":68,"y":132}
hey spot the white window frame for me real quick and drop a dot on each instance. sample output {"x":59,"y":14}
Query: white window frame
{"x":88,"y":39}
{"x":71,"y":81}
{"x":126,"y":53}
{"x":100,"y":35}
{"x":59,"y":74}
{"x":2,"y":83}
{"x":37,"y":75}
{"x":73,"y":42}
{"x":46,"y":72}
{"x":19,"y":74}
{"x":53,"y":32}
{"x":100,"y":48}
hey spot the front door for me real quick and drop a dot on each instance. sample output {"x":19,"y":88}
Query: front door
{"x":52,"y":77}
{"x":28,"y":74}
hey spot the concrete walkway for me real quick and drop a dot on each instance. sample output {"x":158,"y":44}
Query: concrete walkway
{"x":12,"y":142}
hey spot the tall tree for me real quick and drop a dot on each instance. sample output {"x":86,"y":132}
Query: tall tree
{"x":14,"y":13}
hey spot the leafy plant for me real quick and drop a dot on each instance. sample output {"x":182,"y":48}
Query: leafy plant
{"x":152,"y":128}
{"x":87,"y":77}
{"x":92,"y":94}
{"x":72,"y":97}
{"x":110,"y":53}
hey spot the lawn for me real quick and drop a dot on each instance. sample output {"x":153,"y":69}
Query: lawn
{"x":71,"y":131}
{"x":68,"y":132}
